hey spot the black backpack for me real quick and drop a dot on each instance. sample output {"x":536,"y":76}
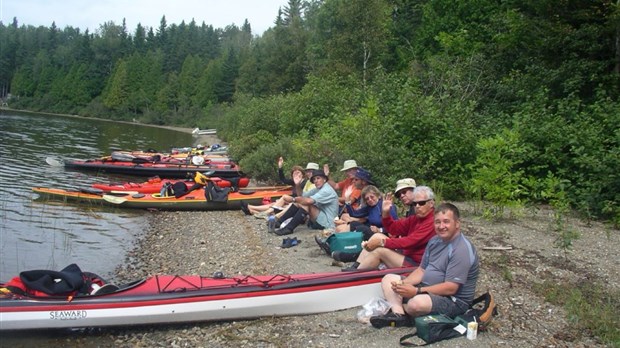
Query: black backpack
{"x":179,"y":189}
{"x":214,"y":193}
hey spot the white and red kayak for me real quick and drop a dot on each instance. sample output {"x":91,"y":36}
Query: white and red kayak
{"x":173,"y":299}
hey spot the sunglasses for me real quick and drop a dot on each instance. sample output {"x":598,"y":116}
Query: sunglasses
{"x":421,"y":203}
{"x":402,"y":193}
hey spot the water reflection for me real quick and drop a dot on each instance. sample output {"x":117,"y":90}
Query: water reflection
{"x":36,"y":234}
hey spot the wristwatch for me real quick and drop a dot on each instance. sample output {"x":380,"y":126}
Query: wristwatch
{"x":419,"y":287}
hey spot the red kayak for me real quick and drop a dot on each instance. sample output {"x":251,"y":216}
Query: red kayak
{"x":154,"y":185}
{"x":166,"y":170}
{"x":192,"y":298}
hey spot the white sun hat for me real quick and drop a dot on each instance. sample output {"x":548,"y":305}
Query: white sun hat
{"x":404,"y":183}
{"x":348,"y":164}
{"x":312,"y":166}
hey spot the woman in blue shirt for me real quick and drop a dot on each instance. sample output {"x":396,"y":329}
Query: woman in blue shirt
{"x":369,"y":212}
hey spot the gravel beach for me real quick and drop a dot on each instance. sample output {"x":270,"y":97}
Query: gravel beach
{"x":235,"y":244}
{"x":230,"y":242}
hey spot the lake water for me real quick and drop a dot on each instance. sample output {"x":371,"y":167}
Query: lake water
{"x":41,"y":234}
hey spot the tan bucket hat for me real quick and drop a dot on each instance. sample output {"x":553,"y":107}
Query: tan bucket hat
{"x":348,"y":164}
{"x":312,"y":166}
{"x":404,"y":183}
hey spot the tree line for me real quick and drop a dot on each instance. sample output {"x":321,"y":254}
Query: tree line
{"x":505,"y":102}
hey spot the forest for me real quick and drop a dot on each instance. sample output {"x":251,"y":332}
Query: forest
{"x":509,"y":103}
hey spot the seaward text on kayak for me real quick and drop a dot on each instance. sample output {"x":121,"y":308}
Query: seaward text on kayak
{"x":67,"y":315}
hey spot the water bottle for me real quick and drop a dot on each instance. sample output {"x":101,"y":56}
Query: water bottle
{"x":271,"y":224}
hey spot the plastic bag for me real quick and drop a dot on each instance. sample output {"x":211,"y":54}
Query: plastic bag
{"x":374,"y":307}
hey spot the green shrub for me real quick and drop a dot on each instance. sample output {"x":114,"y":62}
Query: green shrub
{"x":556,"y":194}
{"x":496,"y":180}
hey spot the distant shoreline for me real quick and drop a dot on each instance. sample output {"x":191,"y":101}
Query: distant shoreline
{"x":179,"y":129}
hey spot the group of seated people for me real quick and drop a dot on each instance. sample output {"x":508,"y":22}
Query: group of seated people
{"x":428,"y":237}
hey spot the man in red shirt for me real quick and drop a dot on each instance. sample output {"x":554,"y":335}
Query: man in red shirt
{"x":406,"y":238}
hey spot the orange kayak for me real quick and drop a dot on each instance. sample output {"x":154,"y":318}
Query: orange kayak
{"x":194,"y":200}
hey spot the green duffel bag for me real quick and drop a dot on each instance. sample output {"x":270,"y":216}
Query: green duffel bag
{"x":432,"y":328}
{"x":348,"y":242}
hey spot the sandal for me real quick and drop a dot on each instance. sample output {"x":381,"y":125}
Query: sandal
{"x":286,"y":242}
{"x":290,"y":242}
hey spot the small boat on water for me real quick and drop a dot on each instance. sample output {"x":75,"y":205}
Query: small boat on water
{"x":174,"y":299}
{"x":213,"y":150}
{"x":198,"y":131}
{"x":194,"y":200}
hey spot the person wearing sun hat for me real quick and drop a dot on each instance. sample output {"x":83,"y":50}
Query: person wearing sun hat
{"x":348,"y":191}
{"x":301,"y":185}
{"x":404,"y":192}
{"x":307,"y":183}
{"x":361,"y":179}
{"x":264,"y":210}
{"x":364,"y":176}
{"x":320,"y":204}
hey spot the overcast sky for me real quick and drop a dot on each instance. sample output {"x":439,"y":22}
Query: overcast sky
{"x":92,"y":13}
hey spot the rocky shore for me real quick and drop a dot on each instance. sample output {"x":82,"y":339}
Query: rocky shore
{"x":230,"y":242}
{"x":516,"y":254}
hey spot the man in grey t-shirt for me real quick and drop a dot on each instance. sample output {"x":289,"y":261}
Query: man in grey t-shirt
{"x":444,"y":283}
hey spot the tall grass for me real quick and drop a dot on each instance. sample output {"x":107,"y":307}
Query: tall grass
{"x":590,"y":307}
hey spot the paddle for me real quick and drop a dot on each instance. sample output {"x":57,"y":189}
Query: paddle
{"x":54,"y":162}
{"x":100,"y":192}
{"x":124,"y":192}
{"x":114,"y":199}
{"x":265,"y":188}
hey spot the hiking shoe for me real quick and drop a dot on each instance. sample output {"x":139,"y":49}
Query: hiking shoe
{"x":323,"y":244}
{"x":391,"y":319}
{"x":244,"y":207}
{"x":344,"y":256}
{"x":283,"y":231}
